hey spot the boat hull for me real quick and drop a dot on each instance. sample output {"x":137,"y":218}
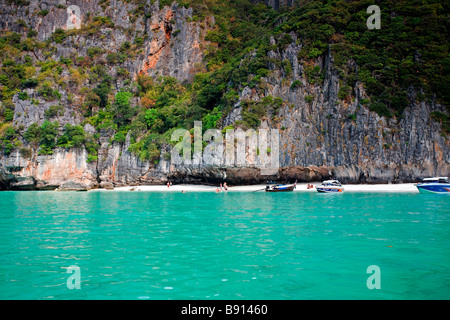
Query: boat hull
{"x":436,"y":188}
{"x":281,"y":189}
{"x":329,"y":189}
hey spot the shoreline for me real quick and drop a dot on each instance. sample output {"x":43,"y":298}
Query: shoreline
{"x":301,"y":187}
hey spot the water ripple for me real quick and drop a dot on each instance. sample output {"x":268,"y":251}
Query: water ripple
{"x":242,"y":246}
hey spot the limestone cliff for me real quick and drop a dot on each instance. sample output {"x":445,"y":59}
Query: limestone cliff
{"x":356,"y":144}
{"x":172,"y":47}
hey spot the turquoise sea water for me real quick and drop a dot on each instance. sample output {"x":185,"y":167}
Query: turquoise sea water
{"x":241,"y":245}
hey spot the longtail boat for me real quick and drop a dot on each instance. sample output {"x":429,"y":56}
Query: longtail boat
{"x":281,"y":187}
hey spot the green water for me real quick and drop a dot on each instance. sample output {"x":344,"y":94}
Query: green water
{"x":149,"y":245}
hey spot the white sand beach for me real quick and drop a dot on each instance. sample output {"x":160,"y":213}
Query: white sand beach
{"x":301,"y":187}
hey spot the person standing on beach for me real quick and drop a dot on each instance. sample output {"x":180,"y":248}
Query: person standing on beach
{"x":225,"y":186}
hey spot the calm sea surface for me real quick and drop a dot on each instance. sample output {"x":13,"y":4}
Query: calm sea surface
{"x":241,"y":245}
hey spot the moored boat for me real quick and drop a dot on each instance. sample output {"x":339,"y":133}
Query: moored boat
{"x":330,"y":186}
{"x":439,"y":185}
{"x":281,"y":187}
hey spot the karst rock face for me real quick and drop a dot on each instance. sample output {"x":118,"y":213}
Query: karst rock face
{"x":317,"y":139}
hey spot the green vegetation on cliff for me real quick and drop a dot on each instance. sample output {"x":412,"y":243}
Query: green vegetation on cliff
{"x":406,"y":60}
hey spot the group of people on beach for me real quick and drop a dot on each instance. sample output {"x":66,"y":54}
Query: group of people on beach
{"x":223,"y":187}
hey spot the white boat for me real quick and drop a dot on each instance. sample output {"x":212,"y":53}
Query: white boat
{"x":434,"y":185}
{"x":330,"y":186}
